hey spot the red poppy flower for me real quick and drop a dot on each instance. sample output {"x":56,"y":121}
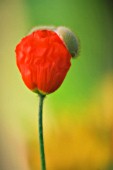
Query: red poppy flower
{"x":43,"y":61}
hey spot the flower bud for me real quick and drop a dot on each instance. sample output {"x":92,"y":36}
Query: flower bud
{"x":69,"y":39}
{"x":44,"y":57}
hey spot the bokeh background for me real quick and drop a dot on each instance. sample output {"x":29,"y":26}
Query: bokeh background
{"x":78,"y":117}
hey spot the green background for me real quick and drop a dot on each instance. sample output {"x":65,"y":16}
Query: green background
{"x":78,"y":116}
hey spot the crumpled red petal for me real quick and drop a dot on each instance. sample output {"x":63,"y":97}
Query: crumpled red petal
{"x":43,"y":60}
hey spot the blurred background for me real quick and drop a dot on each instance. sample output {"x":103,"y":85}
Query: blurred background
{"x":78,"y":117}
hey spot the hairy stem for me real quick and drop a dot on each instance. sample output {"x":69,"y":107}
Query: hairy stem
{"x":41,"y":140}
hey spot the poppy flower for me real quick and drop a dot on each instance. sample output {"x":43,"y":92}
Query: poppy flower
{"x":43,"y":60}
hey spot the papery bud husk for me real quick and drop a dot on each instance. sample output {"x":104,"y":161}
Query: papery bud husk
{"x":51,"y":28}
{"x":70,"y":40}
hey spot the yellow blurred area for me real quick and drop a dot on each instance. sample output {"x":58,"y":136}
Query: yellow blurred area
{"x":80,"y":144}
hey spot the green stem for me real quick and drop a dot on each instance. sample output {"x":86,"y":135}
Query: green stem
{"x":41,"y":141}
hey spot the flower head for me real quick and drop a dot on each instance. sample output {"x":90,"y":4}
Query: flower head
{"x":43,"y":60}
